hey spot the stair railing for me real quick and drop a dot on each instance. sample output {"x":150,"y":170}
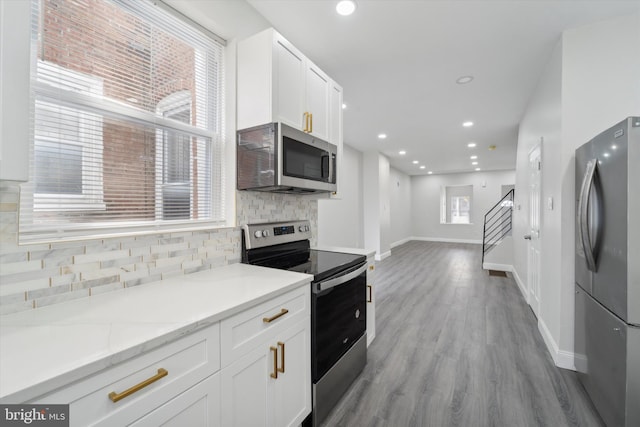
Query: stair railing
{"x":498,"y":222}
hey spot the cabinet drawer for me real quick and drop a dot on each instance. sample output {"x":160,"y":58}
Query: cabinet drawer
{"x":243,"y":332}
{"x":187,"y":361}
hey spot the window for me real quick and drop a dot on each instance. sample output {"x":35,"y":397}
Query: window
{"x":127,"y":123}
{"x":456,"y":204}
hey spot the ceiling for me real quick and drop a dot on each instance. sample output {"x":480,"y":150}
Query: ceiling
{"x":398,"y":62}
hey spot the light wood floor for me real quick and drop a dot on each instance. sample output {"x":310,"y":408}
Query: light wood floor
{"x":457,"y":347}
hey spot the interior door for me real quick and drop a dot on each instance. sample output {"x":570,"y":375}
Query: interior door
{"x":533,"y":238}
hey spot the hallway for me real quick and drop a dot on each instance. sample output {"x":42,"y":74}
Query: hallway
{"x":456,"y":347}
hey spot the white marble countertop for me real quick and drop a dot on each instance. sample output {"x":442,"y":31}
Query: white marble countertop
{"x":357,"y":251}
{"x":46,"y":348}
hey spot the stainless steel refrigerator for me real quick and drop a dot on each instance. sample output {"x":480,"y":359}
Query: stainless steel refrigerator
{"x":607,"y":272}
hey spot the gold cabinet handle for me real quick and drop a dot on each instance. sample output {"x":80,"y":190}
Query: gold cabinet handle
{"x":306,"y":122}
{"x":311,"y":120}
{"x":275,"y":316}
{"x":118,"y":396}
{"x":370,"y":297}
{"x":372,"y":267}
{"x":274,"y":374}
{"x":281,"y":345}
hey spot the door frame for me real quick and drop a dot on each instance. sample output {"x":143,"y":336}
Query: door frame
{"x":533,"y":265}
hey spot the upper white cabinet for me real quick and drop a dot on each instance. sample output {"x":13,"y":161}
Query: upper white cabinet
{"x":14,"y":90}
{"x":335,"y":129}
{"x":276,"y":82}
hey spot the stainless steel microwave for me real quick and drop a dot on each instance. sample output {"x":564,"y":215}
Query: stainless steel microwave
{"x":278,"y":158}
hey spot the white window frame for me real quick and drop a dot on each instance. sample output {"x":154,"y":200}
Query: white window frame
{"x":89,"y":126}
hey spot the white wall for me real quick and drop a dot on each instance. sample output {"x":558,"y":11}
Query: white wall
{"x":600,"y":87}
{"x":340,"y":221}
{"x":541,"y":124}
{"x":590,"y":83}
{"x":425,"y":209}
{"x":399,"y":207}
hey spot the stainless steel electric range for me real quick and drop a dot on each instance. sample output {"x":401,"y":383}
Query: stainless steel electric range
{"x":338,"y":304}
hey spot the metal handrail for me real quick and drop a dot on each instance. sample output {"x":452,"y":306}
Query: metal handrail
{"x":494,"y":229}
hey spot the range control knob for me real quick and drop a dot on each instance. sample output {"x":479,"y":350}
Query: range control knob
{"x":265,"y":233}
{"x":301,"y":228}
{"x":258,"y":233}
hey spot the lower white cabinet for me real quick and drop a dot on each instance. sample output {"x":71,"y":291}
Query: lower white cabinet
{"x":251,"y":369}
{"x":197,"y":407}
{"x":371,"y":300}
{"x":271,"y":384}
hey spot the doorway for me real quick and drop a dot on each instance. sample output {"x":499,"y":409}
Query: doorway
{"x":533,"y":236}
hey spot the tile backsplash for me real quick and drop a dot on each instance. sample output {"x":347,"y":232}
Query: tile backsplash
{"x":38,"y":275}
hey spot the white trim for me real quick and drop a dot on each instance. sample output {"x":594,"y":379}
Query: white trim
{"x":497,"y":267}
{"x":383,"y":256}
{"x":521,"y":286}
{"x":445,"y":240}
{"x":400,"y":242}
{"x":562,"y":359}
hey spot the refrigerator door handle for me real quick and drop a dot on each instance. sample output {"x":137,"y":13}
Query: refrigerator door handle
{"x":583,"y":214}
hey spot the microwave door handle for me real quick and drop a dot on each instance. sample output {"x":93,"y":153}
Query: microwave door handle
{"x":583,"y":207}
{"x":326,"y":167}
{"x":332,"y":168}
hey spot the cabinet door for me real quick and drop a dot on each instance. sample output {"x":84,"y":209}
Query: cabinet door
{"x":317,"y":101}
{"x":335,"y":129}
{"x":247,"y":390}
{"x":199,"y":406}
{"x":15,"y":40}
{"x":371,"y":302}
{"x":288,"y":91}
{"x":293,"y":386}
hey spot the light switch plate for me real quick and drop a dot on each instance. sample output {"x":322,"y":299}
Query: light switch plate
{"x":550,"y":203}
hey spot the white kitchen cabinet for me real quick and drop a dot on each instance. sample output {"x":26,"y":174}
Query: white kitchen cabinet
{"x":271,"y":384}
{"x":102,"y":400}
{"x":276,"y":82}
{"x":199,"y":406}
{"x":15,"y":38}
{"x":335,"y":129}
{"x":371,"y":300}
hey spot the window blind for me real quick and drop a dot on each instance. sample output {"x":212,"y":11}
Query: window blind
{"x":127,"y":124}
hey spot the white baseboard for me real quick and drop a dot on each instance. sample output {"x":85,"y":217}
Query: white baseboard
{"x":497,"y":267}
{"x":383,"y":256}
{"x":400,"y":242}
{"x":562,"y":359}
{"x":520,"y":284}
{"x":446,"y":240}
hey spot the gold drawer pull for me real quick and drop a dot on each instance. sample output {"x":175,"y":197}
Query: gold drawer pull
{"x":276,"y":316}
{"x":370,"y":298}
{"x":372,"y":267}
{"x":274,"y":374}
{"x":118,"y":396}
{"x":281,"y":345}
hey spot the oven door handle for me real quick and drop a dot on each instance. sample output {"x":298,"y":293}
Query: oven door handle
{"x":332,"y":283}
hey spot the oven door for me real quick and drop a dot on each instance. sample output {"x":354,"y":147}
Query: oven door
{"x":339,"y":317}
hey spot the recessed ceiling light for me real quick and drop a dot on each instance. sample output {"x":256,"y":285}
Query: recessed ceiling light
{"x":402,"y":153}
{"x":430,"y":172}
{"x":344,"y":106}
{"x":423,"y":167}
{"x":471,"y":144}
{"x":464,"y":80}
{"x":346,"y":7}
{"x":473,"y":157}
{"x":477,"y":169}
{"x":614,"y":147}
{"x":606,"y":154}
{"x":474,"y":163}
{"x":467,"y":124}
{"x":382,"y":135}
{"x":415,"y":162}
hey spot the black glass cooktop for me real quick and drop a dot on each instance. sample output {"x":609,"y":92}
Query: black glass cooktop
{"x":324,"y":264}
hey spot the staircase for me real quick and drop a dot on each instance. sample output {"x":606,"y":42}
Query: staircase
{"x":497,"y":223}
